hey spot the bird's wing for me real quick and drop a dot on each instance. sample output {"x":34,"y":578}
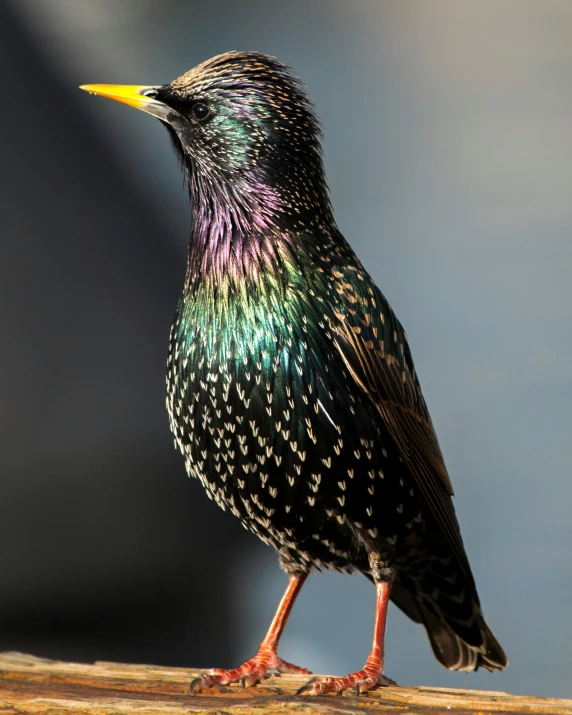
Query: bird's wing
{"x":373,"y":346}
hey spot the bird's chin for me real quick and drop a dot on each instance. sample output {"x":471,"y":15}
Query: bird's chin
{"x":177,"y":122}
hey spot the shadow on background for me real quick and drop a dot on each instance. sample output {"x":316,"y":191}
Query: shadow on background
{"x":449,"y":152}
{"x":109,"y":551}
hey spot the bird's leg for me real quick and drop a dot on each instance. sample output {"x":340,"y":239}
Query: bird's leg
{"x":255,"y":669}
{"x":371,"y":674}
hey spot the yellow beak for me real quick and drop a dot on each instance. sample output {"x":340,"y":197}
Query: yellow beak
{"x":137,"y":96}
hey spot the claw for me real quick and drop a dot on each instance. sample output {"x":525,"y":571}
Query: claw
{"x":193,"y":686}
{"x":306,"y":688}
{"x":250,"y":679}
{"x":386,"y":682}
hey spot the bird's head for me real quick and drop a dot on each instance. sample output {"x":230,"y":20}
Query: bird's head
{"x":246,"y":133}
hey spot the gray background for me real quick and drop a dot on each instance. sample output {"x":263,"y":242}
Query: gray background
{"x":449,"y":155}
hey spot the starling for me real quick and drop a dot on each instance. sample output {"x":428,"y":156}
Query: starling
{"x":291,"y":389}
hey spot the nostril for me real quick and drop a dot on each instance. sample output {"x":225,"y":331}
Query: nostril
{"x":150,"y":92}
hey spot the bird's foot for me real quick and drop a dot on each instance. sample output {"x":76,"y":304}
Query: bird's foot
{"x":248,"y":674}
{"x":370,"y":676}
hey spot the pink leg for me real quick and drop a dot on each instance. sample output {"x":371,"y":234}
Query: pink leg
{"x":371,"y":674}
{"x":255,"y":669}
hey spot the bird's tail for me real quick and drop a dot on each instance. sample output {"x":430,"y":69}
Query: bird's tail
{"x":445,"y":601}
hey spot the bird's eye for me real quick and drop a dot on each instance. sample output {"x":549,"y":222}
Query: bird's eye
{"x":201,"y":111}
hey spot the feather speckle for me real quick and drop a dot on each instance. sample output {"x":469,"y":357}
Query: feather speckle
{"x":291,"y":389}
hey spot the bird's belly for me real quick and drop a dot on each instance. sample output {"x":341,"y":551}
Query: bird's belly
{"x":303,"y":462}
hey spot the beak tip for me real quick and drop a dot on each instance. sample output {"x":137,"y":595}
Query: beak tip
{"x":132,"y":95}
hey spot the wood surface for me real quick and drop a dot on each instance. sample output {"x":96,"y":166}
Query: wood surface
{"x":47,"y":687}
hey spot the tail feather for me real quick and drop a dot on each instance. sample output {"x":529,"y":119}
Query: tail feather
{"x":454,"y":652}
{"x":458,"y":634}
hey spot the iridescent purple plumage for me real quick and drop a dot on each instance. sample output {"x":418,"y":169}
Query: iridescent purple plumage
{"x":292,"y":393}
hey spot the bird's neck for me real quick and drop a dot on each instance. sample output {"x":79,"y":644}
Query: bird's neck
{"x":242,"y":231}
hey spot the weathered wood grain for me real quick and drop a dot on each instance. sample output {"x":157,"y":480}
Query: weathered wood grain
{"x":30,"y":685}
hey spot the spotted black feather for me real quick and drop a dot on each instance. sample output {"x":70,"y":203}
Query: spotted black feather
{"x":291,"y":389}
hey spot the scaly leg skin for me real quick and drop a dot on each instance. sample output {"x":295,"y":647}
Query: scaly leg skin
{"x":255,"y":669}
{"x":249,"y":673}
{"x":371,"y":675}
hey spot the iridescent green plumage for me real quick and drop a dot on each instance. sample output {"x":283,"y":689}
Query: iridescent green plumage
{"x":291,"y":388}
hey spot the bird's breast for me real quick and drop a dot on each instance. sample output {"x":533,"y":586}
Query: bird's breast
{"x":268,"y":419}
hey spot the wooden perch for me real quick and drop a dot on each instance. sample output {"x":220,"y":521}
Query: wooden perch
{"x":36,"y":685}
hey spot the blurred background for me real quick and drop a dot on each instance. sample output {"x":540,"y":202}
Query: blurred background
{"x":449,"y":155}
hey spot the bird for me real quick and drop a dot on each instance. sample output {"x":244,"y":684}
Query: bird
{"x":291,"y":390}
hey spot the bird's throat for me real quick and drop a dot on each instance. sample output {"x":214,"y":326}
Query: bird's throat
{"x":239,"y":234}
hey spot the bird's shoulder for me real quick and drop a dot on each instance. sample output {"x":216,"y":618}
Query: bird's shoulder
{"x":369,"y":335}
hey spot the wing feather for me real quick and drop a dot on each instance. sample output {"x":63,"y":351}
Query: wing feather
{"x":374,"y":348}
